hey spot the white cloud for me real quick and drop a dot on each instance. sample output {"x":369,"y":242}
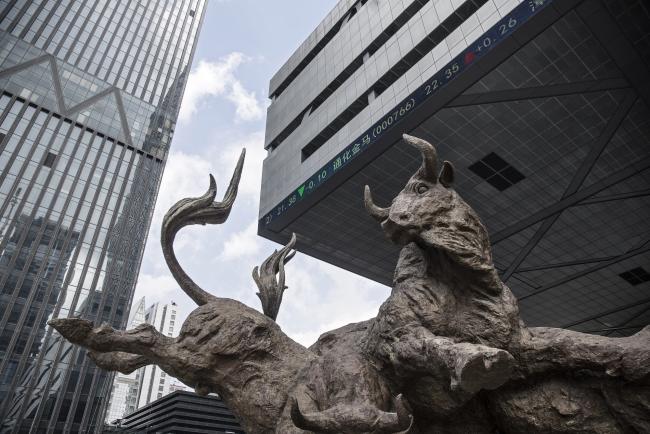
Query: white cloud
{"x":241,"y":244}
{"x":248,"y":108}
{"x":218,"y":79}
{"x":322,"y":297}
{"x":161,"y":288}
{"x":186,"y":175}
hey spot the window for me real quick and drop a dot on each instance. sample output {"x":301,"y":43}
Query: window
{"x":50,"y":158}
{"x":396,"y":71}
{"x":496,"y":171}
{"x":636,"y":276}
{"x":319,"y":47}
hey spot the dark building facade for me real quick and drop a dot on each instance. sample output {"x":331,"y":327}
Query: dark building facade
{"x":179,"y":413}
{"x":89,"y":96}
{"x":542,"y":106}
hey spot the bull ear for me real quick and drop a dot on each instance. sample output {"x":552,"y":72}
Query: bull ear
{"x":446,"y":176}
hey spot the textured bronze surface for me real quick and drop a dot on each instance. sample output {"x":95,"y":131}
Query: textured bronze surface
{"x":447,"y":352}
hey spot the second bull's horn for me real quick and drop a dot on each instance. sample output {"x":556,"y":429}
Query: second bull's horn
{"x":375,"y":211}
{"x":428,"y":170}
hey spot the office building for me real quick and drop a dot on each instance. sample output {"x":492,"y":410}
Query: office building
{"x":180,"y":413}
{"x":124,"y":395}
{"x":154,"y":382}
{"x":542,"y":106}
{"x":139,"y":388}
{"x":176,"y":385}
{"x":89,"y":95}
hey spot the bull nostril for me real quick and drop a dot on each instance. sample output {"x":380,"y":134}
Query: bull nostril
{"x":404,"y":217}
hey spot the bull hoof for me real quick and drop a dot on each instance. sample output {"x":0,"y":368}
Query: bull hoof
{"x":483,"y":370}
{"x":76,"y":330}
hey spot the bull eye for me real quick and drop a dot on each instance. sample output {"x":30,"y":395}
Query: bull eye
{"x":422,"y":188}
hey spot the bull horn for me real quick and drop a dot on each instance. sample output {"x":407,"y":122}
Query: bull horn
{"x":378,"y":213}
{"x":364,"y":418}
{"x":429,"y":166}
{"x":404,"y":416}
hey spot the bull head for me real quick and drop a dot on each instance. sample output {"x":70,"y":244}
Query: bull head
{"x":428,"y":211}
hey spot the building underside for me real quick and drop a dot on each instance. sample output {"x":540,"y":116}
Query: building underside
{"x":550,"y":138}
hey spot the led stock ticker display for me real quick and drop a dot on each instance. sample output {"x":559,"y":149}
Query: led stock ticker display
{"x":501,"y":30}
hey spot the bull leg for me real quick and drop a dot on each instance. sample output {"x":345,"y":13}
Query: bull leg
{"x":143,"y":340}
{"x":469,"y":367}
{"x":119,"y":361}
{"x":550,"y":349}
{"x":125,"y":351}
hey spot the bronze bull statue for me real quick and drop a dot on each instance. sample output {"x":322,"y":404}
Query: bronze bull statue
{"x":447,"y":352}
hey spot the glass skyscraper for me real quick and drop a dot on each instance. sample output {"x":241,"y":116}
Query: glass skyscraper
{"x":89,"y":96}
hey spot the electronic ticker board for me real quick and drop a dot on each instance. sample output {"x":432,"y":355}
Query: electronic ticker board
{"x":483,"y":45}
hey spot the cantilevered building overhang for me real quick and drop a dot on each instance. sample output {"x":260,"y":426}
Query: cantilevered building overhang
{"x":542,"y":106}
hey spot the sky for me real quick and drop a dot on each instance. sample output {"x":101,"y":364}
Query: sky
{"x":241,"y":45}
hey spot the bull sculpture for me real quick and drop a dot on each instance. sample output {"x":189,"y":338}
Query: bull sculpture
{"x":447,"y":351}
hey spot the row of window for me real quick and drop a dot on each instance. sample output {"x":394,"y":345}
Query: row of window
{"x":67,"y":251}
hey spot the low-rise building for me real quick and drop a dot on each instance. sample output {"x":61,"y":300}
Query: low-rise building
{"x":181,"y":413}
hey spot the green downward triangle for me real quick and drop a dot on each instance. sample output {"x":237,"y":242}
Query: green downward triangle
{"x":301,"y":190}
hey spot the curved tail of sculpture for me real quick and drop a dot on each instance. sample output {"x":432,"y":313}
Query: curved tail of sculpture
{"x":197,"y":211}
{"x":271,"y":289}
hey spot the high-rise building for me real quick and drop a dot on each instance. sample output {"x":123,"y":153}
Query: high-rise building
{"x":89,"y":96}
{"x":145,"y":385}
{"x":124,"y":395}
{"x":541,"y":105}
{"x":176,"y":386}
{"x":154,"y":382}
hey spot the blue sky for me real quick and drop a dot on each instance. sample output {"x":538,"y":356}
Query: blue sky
{"x":242,"y":44}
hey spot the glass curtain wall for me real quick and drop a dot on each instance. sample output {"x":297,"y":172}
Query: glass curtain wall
{"x":89,"y":95}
